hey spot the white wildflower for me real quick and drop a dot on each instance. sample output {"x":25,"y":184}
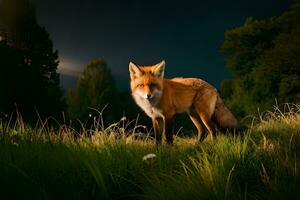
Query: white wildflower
{"x":123,"y":119}
{"x":149,"y":156}
{"x":15,"y":143}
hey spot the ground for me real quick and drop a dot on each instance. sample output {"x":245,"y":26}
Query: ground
{"x":45,"y":163}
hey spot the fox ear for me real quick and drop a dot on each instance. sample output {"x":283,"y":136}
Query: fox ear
{"x":134,"y":70}
{"x":159,"y":69}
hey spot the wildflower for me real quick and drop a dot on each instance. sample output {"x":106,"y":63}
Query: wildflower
{"x":123,"y":119}
{"x":15,"y":143}
{"x":149,"y":156}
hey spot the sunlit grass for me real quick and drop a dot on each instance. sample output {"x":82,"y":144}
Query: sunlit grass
{"x":108,"y":162}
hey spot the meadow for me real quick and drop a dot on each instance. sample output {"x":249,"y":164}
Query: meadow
{"x":116,"y":162}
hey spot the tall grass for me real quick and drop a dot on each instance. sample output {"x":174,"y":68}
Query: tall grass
{"x":107,"y":163}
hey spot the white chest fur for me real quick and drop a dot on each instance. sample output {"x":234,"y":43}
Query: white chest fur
{"x":148,"y":106}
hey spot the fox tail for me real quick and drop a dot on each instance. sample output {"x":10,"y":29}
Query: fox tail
{"x":223,"y":117}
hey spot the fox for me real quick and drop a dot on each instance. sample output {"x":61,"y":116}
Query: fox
{"x":161,"y":99}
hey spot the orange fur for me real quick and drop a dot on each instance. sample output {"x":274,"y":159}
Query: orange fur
{"x":162,"y":98}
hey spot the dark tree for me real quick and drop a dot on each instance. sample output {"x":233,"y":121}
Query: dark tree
{"x":95,"y":89}
{"x":28,"y":63}
{"x":263,"y":56}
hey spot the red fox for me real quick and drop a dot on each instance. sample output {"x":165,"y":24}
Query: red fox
{"x":162,"y":98}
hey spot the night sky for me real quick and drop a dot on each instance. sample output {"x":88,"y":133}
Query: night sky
{"x":187,"y":34}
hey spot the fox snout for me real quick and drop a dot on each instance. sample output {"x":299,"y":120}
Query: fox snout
{"x":151,"y":96}
{"x":146,"y":95}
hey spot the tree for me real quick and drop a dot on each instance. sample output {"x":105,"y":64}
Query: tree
{"x":263,"y":56}
{"x":28,"y":62}
{"x":95,"y":89}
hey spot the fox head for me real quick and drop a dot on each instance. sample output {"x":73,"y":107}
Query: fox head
{"x":147,"y":81}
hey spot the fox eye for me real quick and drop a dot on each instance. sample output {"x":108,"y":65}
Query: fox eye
{"x":152,"y":85}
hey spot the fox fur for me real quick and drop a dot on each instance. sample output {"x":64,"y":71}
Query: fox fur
{"x":162,"y":98}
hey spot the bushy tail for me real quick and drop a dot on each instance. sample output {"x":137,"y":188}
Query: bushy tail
{"x":224,"y":118}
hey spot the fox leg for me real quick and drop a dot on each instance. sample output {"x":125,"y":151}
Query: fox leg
{"x":198,"y":125}
{"x":208,"y":124}
{"x":169,"y":130}
{"x":158,"y":126}
{"x":205,"y":108}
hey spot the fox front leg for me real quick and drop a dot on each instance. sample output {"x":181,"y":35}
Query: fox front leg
{"x":158,"y":126}
{"x":169,"y":130}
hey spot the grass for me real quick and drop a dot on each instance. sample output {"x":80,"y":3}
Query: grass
{"x":43,"y":163}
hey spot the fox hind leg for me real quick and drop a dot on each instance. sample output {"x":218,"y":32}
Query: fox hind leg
{"x":206,"y":119}
{"x":208,"y":124}
{"x":197,"y":123}
{"x":205,"y":108}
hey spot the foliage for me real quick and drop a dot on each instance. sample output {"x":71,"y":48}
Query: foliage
{"x":44,"y":163}
{"x":28,"y":63}
{"x":95,"y":89}
{"x":263,"y":56}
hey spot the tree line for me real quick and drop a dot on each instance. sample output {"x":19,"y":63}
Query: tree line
{"x":263,"y":56}
{"x":28,"y":62}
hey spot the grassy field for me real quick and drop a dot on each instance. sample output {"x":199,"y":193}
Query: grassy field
{"x":41,"y":163}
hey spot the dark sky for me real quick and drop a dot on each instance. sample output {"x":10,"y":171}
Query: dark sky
{"x":187,"y":34}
